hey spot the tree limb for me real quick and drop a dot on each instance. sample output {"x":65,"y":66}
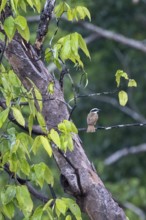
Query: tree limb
{"x":124,"y":152}
{"x":45,"y":18}
{"x":114,"y":36}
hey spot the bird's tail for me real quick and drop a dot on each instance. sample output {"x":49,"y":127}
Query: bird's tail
{"x":90,"y":128}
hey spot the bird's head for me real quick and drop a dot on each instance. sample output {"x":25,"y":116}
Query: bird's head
{"x":95,"y":110}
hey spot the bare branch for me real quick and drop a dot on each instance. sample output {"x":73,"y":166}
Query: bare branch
{"x":135,"y":209}
{"x":124,"y":152}
{"x":45,"y":17}
{"x":115,"y":126}
{"x":114,"y":36}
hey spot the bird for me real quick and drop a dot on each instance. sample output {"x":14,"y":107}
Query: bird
{"x":92,"y":118}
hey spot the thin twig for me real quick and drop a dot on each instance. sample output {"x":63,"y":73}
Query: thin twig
{"x":115,"y":126}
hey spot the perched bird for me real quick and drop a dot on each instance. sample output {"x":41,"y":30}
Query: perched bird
{"x":92,"y":118}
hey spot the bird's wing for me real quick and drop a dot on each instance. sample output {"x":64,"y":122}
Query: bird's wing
{"x":92,"y":119}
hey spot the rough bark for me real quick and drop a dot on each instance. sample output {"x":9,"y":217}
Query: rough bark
{"x":77,"y":175}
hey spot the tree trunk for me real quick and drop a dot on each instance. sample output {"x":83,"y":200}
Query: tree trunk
{"x":78,"y":177}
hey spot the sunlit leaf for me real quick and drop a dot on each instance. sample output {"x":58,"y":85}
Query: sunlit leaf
{"x":119,"y":74}
{"x":61,"y":206}
{"x":41,"y":121}
{"x":30,"y":123}
{"x":132,"y":83}
{"x":36,"y":144}
{"x":9,"y":27}
{"x":18,"y":116}
{"x":3,"y":4}
{"x":24,"y":33}
{"x":9,"y":210}
{"x":24,"y":200}
{"x":55,"y":137}
{"x":24,"y":166}
{"x":8,"y":195}
{"x":45,"y":142}
{"x":37,"y":215}
{"x":68,"y":217}
{"x":51,"y":88}
{"x":83,"y":46}
{"x":21,"y":22}
{"x":123,"y":98}
{"x":3,"y":116}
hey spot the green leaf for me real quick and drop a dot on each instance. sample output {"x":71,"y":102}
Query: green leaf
{"x":65,"y":51}
{"x":74,"y":208}
{"x":48,"y":176}
{"x":37,"y":215}
{"x":37,"y":4}
{"x":46,"y":206}
{"x":55,"y":137}
{"x":30,"y":3}
{"x":83,"y":12}
{"x":14,"y":146}
{"x":38,"y":97}
{"x":41,"y":121}
{"x":42,"y":173}
{"x":51,"y":88}
{"x":62,"y":127}
{"x":119,"y":74}
{"x":24,"y":200}
{"x":132,"y":83}
{"x":9,"y":27}
{"x":36,"y":144}
{"x":3,"y":4}
{"x":3,"y":116}
{"x":1,"y":216}
{"x":39,"y":170}
{"x":61,"y":8}
{"x":30,"y":123}
{"x":24,"y":33}
{"x":14,"y":4}
{"x":70,"y":144}
{"x":83,"y":46}
{"x":45,"y":142}
{"x":123,"y":98}
{"x":9,"y":210}
{"x":2,"y":36}
{"x":24,"y":166}
{"x":21,"y":22}
{"x":68,"y":217}
{"x":61,"y":206}
{"x":14,"y":163}
{"x":23,"y":5}
{"x":8,"y":195}
{"x":18,"y":116}
{"x":64,"y":142}
{"x":73,"y":128}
